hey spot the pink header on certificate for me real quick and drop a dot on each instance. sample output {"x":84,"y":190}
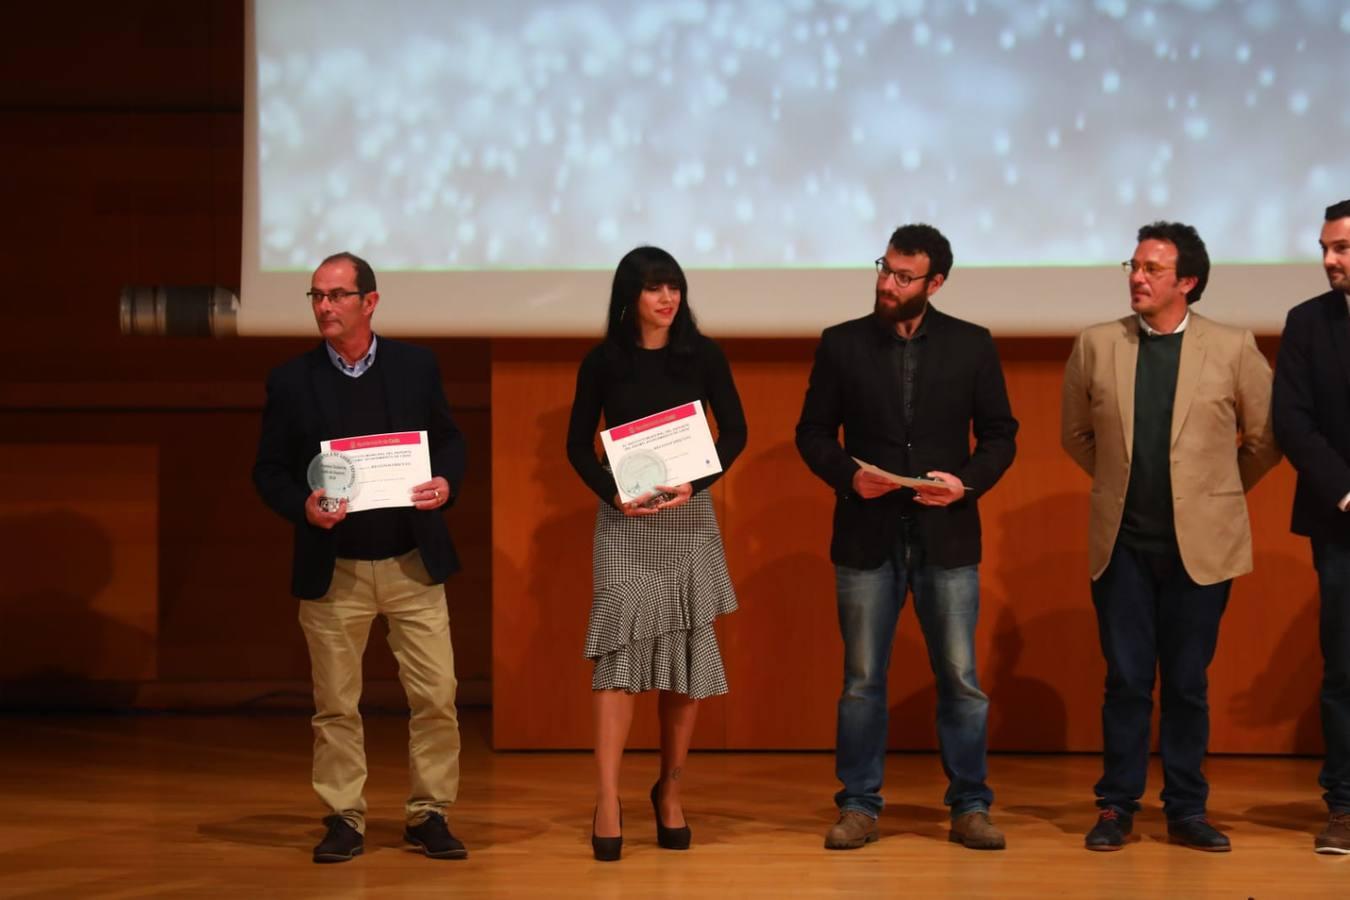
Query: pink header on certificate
{"x":619,"y":432}
{"x":376,"y":440}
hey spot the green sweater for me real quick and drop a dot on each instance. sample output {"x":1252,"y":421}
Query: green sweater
{"x":1147,"y":521}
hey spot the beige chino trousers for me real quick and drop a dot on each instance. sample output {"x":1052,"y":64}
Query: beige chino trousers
{"x":336,"y":628}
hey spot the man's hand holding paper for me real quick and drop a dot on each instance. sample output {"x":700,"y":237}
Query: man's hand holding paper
{"x":934,"y":489}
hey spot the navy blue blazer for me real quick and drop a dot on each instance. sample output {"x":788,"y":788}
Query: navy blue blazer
{"x":302,"y":410}
{"x":961,"y":389}
{"x":1311,"y":413}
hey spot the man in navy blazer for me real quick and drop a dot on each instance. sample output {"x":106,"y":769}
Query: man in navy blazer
{"x":347,"y":569}
{"x":1311,"y":410}
{"x":908,"y":385}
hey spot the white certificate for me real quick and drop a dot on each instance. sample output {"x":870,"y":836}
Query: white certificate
{"x":902,"y":480}
{"x":668,"y":448}
{"x":387,"y":467}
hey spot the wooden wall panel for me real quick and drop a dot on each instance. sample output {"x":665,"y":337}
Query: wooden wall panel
{"x":783,"y":655}
{"x":1037,"y":643}
{"x":79,"y":597}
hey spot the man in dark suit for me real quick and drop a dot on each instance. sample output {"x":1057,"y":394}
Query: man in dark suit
{"x":908,"y":384}
{"x":347,"y":569}
{"x":1312,"y":424}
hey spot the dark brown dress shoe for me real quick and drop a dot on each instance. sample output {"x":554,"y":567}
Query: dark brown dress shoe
{"x":1335,"y":838}
{"x":851,"y":831}
{"x":976,"y":831}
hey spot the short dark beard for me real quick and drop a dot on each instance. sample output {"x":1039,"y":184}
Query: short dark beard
{"x":906,"y":311}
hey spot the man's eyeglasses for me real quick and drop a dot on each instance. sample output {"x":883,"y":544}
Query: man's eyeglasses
{"x":335,"y":296}
{"x":1150,"y":269}
{"x":902,"y":279}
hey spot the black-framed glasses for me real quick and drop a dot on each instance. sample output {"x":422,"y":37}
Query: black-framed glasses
{"x":334,"y":296}
{"x":902,"y":279}
{"x":1150,"y":268}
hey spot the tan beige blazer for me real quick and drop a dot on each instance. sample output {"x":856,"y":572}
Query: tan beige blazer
{"x":1221,"y":438}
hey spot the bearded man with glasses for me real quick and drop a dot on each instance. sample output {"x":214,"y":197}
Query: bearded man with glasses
{"x":908,"y":384}
{"x":1312,"y":422}
{"x":1169,"y":412}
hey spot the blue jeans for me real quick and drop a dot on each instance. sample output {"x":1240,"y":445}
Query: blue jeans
{"x":1151,"y":617}
{"x":947,"y":602}
{"x":1333,"y":579}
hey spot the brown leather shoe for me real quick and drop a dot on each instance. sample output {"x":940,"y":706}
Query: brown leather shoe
{"x":851,"y":831}
{"x":1335,"y":838}
{"x":976,"y":831}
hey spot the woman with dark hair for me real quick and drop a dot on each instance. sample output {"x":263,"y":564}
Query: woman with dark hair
{"x":660,"y":577}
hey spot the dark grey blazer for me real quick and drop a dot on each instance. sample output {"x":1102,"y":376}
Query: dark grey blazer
{"x":1311,"y":412}
{"x":302,"y":410}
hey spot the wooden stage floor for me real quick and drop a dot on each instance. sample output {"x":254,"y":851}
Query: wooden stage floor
{"x":220,"y":806}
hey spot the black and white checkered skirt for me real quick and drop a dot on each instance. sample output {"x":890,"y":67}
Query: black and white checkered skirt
{"x":660,"y":581}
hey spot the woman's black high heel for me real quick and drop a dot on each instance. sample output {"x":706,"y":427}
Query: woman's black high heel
{"x":607,"y":849}
{"x":668,"y":838}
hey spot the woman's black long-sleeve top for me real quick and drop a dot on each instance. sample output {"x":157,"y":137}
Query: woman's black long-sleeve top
{"x":626,"y":384}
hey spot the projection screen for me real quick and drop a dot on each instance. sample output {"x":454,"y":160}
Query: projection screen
{"x":494,"y":160}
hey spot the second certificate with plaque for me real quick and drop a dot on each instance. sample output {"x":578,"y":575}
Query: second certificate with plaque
{"x":671,"y":447}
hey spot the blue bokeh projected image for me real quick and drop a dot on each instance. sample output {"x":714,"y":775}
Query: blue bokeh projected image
{"x":763,"y":134}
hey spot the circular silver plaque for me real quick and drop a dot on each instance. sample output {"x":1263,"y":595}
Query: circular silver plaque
{"x":639,"y":472}
{"x":336,"y":474}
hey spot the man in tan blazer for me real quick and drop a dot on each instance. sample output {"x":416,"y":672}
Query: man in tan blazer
{"x":1169,"y":414}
